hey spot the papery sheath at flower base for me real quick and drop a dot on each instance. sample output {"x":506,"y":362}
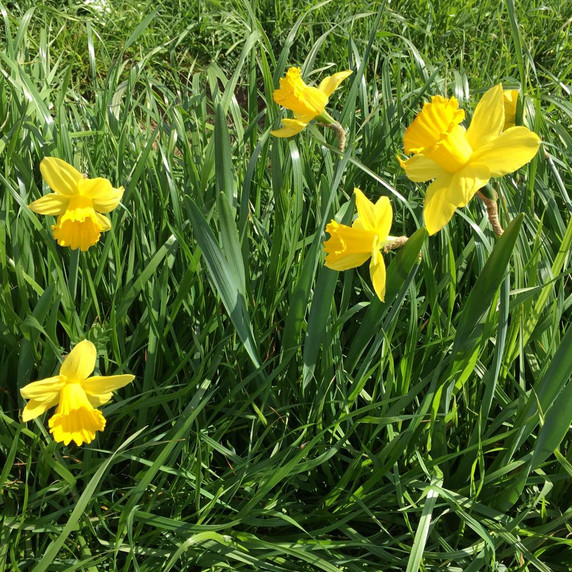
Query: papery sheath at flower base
{"x":76,"y":395}
{"x":351,"y":246}
{"x":462,"y":161}
{"x":305,"y":101}
{"x":77,"y":202}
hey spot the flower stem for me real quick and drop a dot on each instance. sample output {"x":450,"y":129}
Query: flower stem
{"x":492,"y":210}
{"x":73,"y":273}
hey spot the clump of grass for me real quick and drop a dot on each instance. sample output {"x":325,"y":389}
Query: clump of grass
{"x":282,"y":418}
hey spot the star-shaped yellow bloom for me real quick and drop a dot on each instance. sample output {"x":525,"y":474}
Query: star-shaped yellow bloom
{"x":462,"y":160}
{"x":76,"y":395}
{"x":77,"y":202}
{"x":350,"y":246}
{"x":305,"y":101}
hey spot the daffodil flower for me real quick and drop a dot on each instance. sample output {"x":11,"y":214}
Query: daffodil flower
{"x":350,"y":246}
{"x":77,"y":202}
{"x":76,"y":395}
{"x":462,"y":160}
{"x":305,"y":101}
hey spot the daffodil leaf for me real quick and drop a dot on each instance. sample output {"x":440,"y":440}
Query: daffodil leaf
{"x":397,"y":273}
{"x":558,"y":419}
{"x":550,"y":400}
{"x":226,"y":281}
{"x":224,"y":173}
{"x":485,"y":289}
{"x":321,"y":304}
{"x":133,"y":289}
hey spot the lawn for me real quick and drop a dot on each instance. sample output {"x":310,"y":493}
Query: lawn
{"x":276,"y":414}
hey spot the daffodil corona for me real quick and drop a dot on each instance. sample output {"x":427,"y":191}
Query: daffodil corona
{"x":350,"y":246}
{"x":306,"y":102}
{"x":76,"y":395}
{"x":77,"y":202}
{"x":462,"y":161}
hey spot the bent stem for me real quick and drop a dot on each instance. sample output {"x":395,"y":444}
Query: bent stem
{"x":492,"y":209}
{"x":340,"y":133}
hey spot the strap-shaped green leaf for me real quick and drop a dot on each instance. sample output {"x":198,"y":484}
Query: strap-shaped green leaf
{"x":225,"y":279}
{"x":397,"y":272}
{"x":486,"y":287}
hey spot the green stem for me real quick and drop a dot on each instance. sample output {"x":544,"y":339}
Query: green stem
{"x":73,"y":273}
{"x":488,"y":192}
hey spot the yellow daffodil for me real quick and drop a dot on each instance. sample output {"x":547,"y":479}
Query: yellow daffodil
{"x":76,"y":395}
{"x":462,"y":160}
{"x":77,"y":202}
{"x":305,"y":101}
{"x":350,"y":246}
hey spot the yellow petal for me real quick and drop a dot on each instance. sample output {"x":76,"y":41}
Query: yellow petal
{"x":41,"y":390}
{"x":420,"y":168}
{"x":99,"y":399}
{"x":99,"y":384}
{"x":79,"y":425}
{"x":374,"y":218}
{"x":508,"y":152}
{"x":383,"y":218}
{"x":34,"y":408}
{"x":377,"y":274}
{"x":346,"y":261}
{"x":329,"y":84}
{"x":446,"y":194}
{"x":438,"y":209}
{"x":80,"y":362}
{"x":347,"y":247}
{"x":104,"y":222}
{"x":60,"y":176}
{"x":466,"y":183}
{"x":510,"y":101}
{"x":366,"y":212}
{"x":52,"y":204}
{"x":488,"y":119}
{"x":290,"y":127}
{"x":104,"y":197}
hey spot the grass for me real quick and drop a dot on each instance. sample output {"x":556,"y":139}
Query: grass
{"x":282,"y":418}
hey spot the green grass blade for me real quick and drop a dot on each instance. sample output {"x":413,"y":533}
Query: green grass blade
{"x":226,"y":282}
{"x":422,"y":532}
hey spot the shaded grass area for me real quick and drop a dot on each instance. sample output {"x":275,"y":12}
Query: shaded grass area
{"x":282,"y":418}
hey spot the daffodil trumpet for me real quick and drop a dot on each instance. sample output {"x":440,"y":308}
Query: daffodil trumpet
{"x":308,"y":103}
{"x":351,"y":246}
